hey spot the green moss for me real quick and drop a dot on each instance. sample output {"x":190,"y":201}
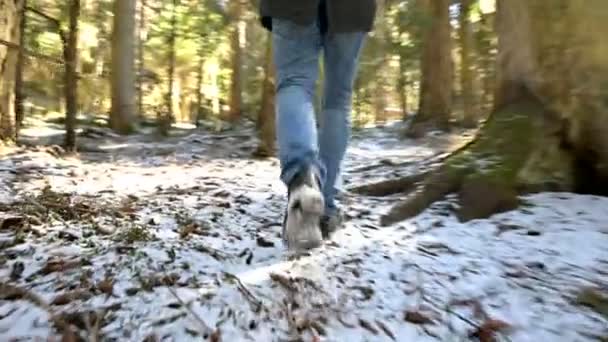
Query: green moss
{"x":515,"y":151}
{"x":595,"y":300}
{"x":135,"y":233}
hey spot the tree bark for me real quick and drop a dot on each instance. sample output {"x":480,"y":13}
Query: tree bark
{"x":19,"y":94}
{"x":266,"y":116}
{"x":436,"y":85}
{"x":101,"y":51}
{"x":236,"y":100}
{"x":165,"y":120}
{"x":402,"y":85}
{"x":487,"y":63}
{"x":9,"y":29}
{"x":516,"y":66}
{"x":382,"y":59}
{"x":122,"y":115}
{"x":141,"y":38}
{"x":404,"y":58}
{"x":466,"y":73}
{"x":171,"y":71}
{"x":70,"y":55}
{"x":379,"y":103}
{"x":199,"y":85}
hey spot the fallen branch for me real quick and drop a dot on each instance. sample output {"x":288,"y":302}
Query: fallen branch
{"x":283,"y":281}
{"x":46,"y":210}
{"x":462,"y":318}
{"x":94,"y":329}
{"x":12,"y":291}
{"x":245,"y":291}
{"x":215,"y":253}
{"x":206,"y":329}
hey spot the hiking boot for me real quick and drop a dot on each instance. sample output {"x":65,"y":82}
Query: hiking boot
{"x":305,"y":205}
{"x":331,"y":223}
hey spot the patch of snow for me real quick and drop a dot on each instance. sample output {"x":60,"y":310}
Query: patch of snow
{"x":523,"y":267}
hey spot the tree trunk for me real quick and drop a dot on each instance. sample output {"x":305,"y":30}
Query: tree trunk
{"x":404,"y":58}
{"x":9,"y":31}
{"x":515,"y":62}
{"x":141,"y":38}
{"x":436,"y":85}
{"x":70,"y":55}
{"x":122,"y":115}
{"x":171,"y":71}
{"x":236,"y":101}
{"x":381,"y":87}
{"x":19,"y":94}
{"x":379,"y":104}
{"x":487,"y":63}
{"x":466,"y":73}
{"x":266,"y":116}
{"x":100,"y":53}
{"x":523,"y":146}
{"x":166,"y":119}
{"x":199,"y":85}
{"x":402,"y":85}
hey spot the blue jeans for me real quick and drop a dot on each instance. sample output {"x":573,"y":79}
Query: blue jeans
{"x":296,"y":56}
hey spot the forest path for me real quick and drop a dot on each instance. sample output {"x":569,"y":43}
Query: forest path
{"x":180,"y":238}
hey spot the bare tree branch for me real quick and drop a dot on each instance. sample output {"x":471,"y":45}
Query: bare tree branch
{"x":56,"y":22}
{"x":30,"y":53}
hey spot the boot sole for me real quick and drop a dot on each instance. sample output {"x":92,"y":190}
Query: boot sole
{"x":302,"y":227}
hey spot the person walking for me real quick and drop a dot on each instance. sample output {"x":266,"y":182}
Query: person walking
{"x":302,"y":31}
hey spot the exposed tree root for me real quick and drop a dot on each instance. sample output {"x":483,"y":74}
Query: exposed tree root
{"x":517,"y":151}
{"x":436,"y":187}
{"x":390,"y":186}
{"x":404,"y":185}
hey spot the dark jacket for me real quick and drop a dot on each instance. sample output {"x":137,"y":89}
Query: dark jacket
{"x":342,"y":15}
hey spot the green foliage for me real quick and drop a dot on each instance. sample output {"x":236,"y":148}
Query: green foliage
{"x":390,"y":61}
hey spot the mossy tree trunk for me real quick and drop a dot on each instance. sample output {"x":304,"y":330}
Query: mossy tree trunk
{"x":524,"y":147}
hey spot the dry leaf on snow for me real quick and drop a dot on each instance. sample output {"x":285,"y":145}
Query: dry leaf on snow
{"x":487,"y":331}
{"x":417,"y":317}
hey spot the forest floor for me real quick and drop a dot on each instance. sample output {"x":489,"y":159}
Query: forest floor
{"x":139,"y":239}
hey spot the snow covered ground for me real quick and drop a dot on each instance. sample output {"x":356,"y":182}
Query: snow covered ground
{"x":179,"y":240}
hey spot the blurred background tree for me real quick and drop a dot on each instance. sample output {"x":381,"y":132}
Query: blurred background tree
{"x":203,"y":62}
